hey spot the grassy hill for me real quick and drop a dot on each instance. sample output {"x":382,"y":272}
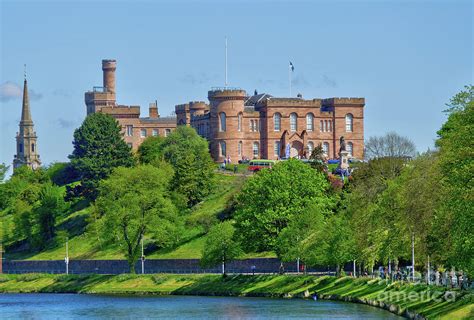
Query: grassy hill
{"x":84,"y":244}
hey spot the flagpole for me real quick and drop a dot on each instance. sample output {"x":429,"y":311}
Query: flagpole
{"x":226,"y":62}
{"x":289,"y":76}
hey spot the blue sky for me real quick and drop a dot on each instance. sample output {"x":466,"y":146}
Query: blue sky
{"x":407,"y":58}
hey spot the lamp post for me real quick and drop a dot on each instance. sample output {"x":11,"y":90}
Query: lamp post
{"x":143,"y":259}
{"x":66,"y":260}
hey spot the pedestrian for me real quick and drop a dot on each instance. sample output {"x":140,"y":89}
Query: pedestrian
{"x":282,"y":269}
{"x":235,"y":168}
{"x":253,"y":267}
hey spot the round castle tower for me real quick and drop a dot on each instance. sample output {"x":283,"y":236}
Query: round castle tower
{"x":225,"y":106}
{"x":108,"y":68}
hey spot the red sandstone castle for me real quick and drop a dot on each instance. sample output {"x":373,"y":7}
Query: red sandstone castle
{"x":239,"y":126}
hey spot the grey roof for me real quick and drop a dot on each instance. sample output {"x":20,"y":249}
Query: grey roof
{"x":253,"y":100}
{"x":159,"y":120}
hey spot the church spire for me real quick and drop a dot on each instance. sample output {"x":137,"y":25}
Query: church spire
{"x":26,"y":149}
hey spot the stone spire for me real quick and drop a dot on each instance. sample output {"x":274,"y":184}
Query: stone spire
{"x":26,"y":148}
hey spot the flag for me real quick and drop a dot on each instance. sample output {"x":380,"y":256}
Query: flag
{"x":292,"y":67}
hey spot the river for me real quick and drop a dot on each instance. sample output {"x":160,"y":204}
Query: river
{"x":77,"y":306}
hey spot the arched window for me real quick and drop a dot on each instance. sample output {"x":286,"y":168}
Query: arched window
{"x":222,"y":121}
{"x":21,"y":147}
{"x":310,"y":148}
{"x":350,"y":148}
{"x":349,"y":122}
{"x":32,"y":147}
{"x":293,"y":122}
{"x":330,"y":125}
{"x":223,"y":148}
{"x":326,"y":148}
{"x":277,"y":122}
{"x":239,"y":122}
{"x":321,"y":126}
{"x":255,"y":150}
{"x":326,"y":126}
{"x":309,"y":122}
{"x":276,"y":148}
{"x":239,"y":148}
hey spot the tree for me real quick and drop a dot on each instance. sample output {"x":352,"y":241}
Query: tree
{"x":3,"y":170}
{"x":221,"y":246}
{"x":98,"y":149}
{"x":50,"y":205}
{"x":456,"y":154}
{"x":270,"y":199}
{"x":133,"y":202}
{"x":188,"y":153}
{"x":391,"y":145}
{"x":151,"y":150}
{"x":317,"y":158}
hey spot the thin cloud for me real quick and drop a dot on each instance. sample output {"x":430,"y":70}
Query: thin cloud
{"x":197,"y":79}
{"x":329,"y":82}
{"x":12,"y":91}
{"x":65,"y":123}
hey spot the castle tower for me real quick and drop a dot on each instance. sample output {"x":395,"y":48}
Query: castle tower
{"x":226,"y":108}
{"x":26,"y":147}
{"x":103,"y":96}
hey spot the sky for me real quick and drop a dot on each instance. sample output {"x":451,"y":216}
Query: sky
{"x":406,"y":58}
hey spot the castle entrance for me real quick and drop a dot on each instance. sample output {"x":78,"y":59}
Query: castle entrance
{"x":296,"y":149}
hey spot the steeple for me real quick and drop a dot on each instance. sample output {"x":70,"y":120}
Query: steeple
{"x":25,"y":110}
{"x":26,"y":148}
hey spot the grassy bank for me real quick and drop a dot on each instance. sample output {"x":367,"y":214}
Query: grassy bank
{"x":404,"y":299}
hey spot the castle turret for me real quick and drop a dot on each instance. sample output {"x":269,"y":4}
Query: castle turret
{"x":26,"y":147}
{"x":226,"y":108}
{"x":104,"y":96}
{"x":108,"y":68}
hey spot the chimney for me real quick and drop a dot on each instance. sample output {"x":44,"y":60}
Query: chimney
{"x":153,"y":110}
{"x":108,"y":68}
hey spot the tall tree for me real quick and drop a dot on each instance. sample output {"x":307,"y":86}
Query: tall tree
{"x":3,"y":170}
{"x":98,"y":149}
{"x":188,"y":153}
{"x":151,"y":150}
{"x":270,"y":199}
{"x":391,"y":145}
{"x":50,"y":205}
{"x":221,"y":246}
{"x":133,"y":202}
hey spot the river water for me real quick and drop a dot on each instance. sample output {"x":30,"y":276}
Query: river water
{"x":77,"y":306}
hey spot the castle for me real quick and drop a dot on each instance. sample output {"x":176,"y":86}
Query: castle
{"x":239,"y":126}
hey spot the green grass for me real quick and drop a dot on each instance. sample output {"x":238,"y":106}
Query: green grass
{"x":369,"y":291}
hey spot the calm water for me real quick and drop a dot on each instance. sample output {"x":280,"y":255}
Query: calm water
{"x":74,"y":306}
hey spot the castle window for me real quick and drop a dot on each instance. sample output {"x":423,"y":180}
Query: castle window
{"x":277,"y":148}
{"x":326,"y":126}
{"x":223,"y":148}
{"x":349,"y":122}
{"x":129,"y":131}
{"x":255,"y":150}
{"x":154,"y":132}
{"x":326,"y":148}
{"x":330,"y":125}
{"x":222,"y":122}
{"x":310,"y":148}
{"x":309,"y":122}
{"x":20,"y":147}
{"x":349,"y":148}
{"x":276,"y":122}
{"x":32,"y":147}
{"x":167,"y":132}
{"x":321,"y":126}
{"x":293,"y":122}
{"x":239,"y":148}
{"x":239,"y":122}
{"x":143,"y":133}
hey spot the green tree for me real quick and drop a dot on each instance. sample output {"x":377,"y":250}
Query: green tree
{"x":151,"y":150}
{"x":221,"y":246}
{"x":270,"y":199}
{"x":133,"y":202}
{"x":3,"y":171}
{"x":456,"y":154}
{"x":317,"y":158}
{"x":50,"y":205}
{"x":188,"y":153}
{"x":98,"y":149}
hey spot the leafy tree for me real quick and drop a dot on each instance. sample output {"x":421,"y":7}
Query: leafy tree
{"x":188,"y":153}
{"x":151,"y":150}
{"x":61,"y":173}
{"x":317,"y":158}
{"x":340,"y":242}
{"x":50,"y":205}
{"x":221,"y":246}
{"x":98,"y":149}
{"x":456,"y":154}
{"x":3,"y":171}
{"x":133,"y":202}
{"x":391,"y":145}
{"x":270,"y":199}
